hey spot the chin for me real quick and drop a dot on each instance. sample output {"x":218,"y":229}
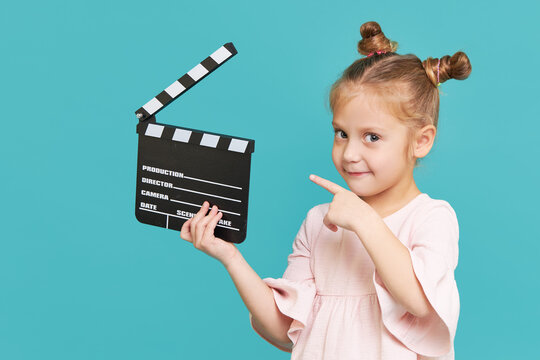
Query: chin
{"x":360,"y":192}
{"x":359,"y":186}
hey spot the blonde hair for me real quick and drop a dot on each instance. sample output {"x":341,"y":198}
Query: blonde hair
{"x":404,"y":84}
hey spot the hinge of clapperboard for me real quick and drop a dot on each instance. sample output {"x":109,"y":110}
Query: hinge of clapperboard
{"x":147,"y":113}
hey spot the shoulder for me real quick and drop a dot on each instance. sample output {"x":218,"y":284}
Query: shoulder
{"x":318,"y":211}
{"x":313,"y":223}
{"x":435,"y":227}
{"x":316,"y":214}
{"x":435,"y":210}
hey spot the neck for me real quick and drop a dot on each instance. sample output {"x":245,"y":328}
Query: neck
{"x":394,"y":198}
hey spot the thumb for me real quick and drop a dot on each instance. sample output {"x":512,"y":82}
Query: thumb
{"x":329,"y":225}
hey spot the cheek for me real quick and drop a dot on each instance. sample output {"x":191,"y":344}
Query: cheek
{"x":336,"y":156}
{"x":388,"y":161}
{"x":377,"y":162}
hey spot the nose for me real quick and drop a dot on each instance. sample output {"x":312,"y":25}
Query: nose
{"x":352,"y":152}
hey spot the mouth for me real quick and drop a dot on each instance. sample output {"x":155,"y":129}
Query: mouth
{"x":358,"y":174}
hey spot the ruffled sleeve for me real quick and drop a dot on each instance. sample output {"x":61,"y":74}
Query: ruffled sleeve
{"x":295,"y":291}
{"x":434,"y":253}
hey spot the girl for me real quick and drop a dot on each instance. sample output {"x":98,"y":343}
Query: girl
{"x":371,"y":275}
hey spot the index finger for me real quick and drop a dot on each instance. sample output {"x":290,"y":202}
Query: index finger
{"x":327,"y":184}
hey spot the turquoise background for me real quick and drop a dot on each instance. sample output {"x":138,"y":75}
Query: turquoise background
{"x":80,"y":278}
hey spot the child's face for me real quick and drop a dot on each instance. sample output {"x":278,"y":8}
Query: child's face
{"x":369,"y":147}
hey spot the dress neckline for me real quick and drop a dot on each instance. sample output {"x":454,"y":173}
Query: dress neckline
{"x":406,"y":206}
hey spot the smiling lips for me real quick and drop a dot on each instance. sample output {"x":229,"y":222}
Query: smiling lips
{"x":358,"y":173}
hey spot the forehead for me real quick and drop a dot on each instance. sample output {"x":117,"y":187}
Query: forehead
{"x":366,"y":112}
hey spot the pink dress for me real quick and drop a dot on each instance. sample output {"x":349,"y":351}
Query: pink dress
{"x":340,"y":307}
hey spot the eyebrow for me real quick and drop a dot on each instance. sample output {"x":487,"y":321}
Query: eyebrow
{"x":374,"y":128}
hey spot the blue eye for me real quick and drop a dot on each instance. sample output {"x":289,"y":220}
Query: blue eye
{"x":373,"y":135}
{"x":341,"y":134}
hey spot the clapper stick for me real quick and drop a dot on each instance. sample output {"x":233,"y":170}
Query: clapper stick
{"x":187,"y":81}
{"x":179,"y":168}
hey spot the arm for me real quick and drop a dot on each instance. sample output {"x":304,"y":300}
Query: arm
{"x":391,"y":258}
{"x":394,"y":266}
{"x":257,"y":296}
{"x":433,"y":251}
{"x":259,"y":299}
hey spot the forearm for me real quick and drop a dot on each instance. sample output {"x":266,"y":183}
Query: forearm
{"x":394,"y":266}
{"x":259,"y":300}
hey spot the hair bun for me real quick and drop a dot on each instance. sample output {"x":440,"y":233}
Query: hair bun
{"x":456,"y":67}
{"x":373,"y":39}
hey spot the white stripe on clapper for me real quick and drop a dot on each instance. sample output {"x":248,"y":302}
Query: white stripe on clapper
{"x":181,"y":135}
{"x":197,"y":72}
{"x":221,"y":54}
{"x":175,"y":89}
{"x":238,"y":145}
{"x":152,"y":106}
{"x":154,"y":130}
{"x":209,"y":140}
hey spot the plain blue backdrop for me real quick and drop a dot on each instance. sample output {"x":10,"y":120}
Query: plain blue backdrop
{"x":80,"y":278}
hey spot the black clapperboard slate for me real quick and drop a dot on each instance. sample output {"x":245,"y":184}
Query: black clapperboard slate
{"x":179,"y":168}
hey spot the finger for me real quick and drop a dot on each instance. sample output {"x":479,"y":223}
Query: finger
{"x":185,"y":232}
{"x":327,"y":184}
{"x":211,"y":226}
{"x":199,"y":215}
{"x":329,"y":225}
{"x":201,"y":225}
{"x":199,"y":228}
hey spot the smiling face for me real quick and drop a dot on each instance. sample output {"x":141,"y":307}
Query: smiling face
{"x":369,"y":150}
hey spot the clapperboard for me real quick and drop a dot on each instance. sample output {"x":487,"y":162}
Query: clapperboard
{"x":179,"y":168}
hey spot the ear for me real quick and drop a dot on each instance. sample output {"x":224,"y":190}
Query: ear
{"x":424,"y":140}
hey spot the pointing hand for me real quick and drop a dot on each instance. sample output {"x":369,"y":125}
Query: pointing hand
{"x":347,"y":210}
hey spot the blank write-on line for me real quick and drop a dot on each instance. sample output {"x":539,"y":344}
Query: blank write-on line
{"x":159,"y":183}
{"x":183,"y":176}
{"x":200,"y":205}
{"x":212,"y":182}
{"x":202,"y":193}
